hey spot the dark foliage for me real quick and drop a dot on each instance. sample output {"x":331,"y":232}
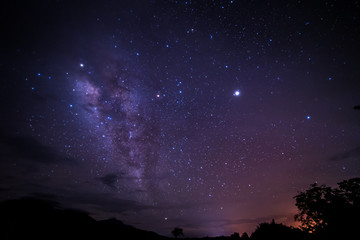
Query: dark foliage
{"x":331,"y":213}
{"x":235,"y":236}
{"x":277,"y":231}
{"x":245,"y":236}
{"x":177,"y":232}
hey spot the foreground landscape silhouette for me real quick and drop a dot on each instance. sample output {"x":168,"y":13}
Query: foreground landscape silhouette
{"x":324,"y":213}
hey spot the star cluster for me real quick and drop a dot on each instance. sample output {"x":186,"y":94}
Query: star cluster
{"x":208,"y":115}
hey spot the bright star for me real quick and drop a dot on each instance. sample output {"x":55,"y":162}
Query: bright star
{"x":236,"y":93}
{"x":81,"y":65}
{"x":308,"y":117}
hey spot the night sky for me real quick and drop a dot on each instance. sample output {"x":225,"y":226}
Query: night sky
{"x":205,"y":115}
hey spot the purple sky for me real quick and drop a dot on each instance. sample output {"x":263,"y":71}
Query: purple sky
{"x":205,"y":115}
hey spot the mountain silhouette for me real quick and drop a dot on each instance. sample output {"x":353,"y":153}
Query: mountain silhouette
{"x":30,"y":218}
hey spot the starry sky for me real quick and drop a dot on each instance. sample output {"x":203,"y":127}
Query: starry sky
{"x":205,"y":115}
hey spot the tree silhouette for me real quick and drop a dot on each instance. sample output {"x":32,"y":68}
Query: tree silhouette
{"x":245,"y":236}
{"x":177,"y":232}
{"x":330,"y":212}
{"x":235,"y":235}
{"x":276,"y":231}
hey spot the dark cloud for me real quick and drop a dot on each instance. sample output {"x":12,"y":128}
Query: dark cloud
{"x":89,"y":107}
{"x":30,"y":149}
{"x":94,"y":202}
{"x":76,"y":198}
{"x":111,"y":204}
{"x":44,"y":195}
{"x":109,"y":180}
{"x":2,"y":189}
{"x":351,"y":154}
{"x":39,"y":98}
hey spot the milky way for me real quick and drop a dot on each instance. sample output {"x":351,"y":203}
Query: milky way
{"x":205,"y":115}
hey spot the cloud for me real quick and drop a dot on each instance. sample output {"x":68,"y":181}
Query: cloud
{"x":44,"y":195}
{"x":351,"y":154}
{"x":75,"y":197}
{"x":109,"y":203}
{"x":29,"y":148}
{"x":109,"y":180}
{"x":3,"y":189}
{"x":93,"y":202}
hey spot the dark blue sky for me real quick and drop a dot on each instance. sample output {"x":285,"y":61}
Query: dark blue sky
{"x":206,"y":115}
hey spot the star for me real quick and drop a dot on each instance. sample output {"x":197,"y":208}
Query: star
{"x":236,"y":93}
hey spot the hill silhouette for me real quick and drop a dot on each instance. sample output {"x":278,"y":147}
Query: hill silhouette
{"x":324,"y":213}
{"x":30,"y":218}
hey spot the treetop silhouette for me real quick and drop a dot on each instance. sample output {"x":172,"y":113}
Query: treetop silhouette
{"x":326,"y":211}
{"x":177,"y":232}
